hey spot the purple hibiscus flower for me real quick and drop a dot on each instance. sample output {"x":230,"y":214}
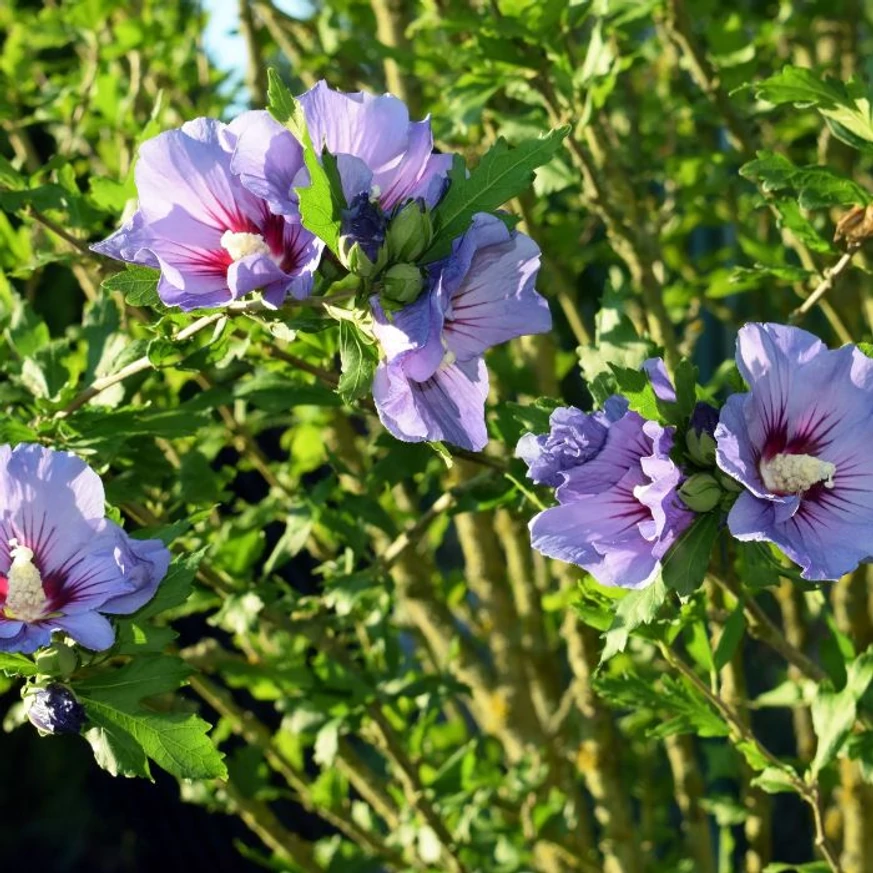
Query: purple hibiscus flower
{"x":432,"y":383}
{"x":799,"y":443}
{"x":619,"y":511}
{"x":574,"y":437}
{"x":63,"y":566}
{"x":380,"y":153}
{"x":212,"y":239}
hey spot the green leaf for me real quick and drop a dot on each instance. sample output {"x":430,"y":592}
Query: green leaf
{"x":116,"y":751}
{"x":800,"y":86}
{"x":684,"y":567}
{"x":616,"y":344}
{"x":845,"y":107}
{"x":634,"y":609}
{"x":760,"y":272}
{"x":298,"y":526}
{"x":126,"y":732}
{"x":176,"y":741}
{"x":859,"y":747}
{"x":45,"y":373}
{"x":503,"y":172}
{"x":834,"y":713}
{"x":816,"y":187}
{"x":278,"y":393}
{"x":143,"y":677}
{"x":327,"y":743}
{"x":636,"y":386}
{"x":358,"y":359}
{"x":775,"y":780}
{"x":16,"y":665}
{"x":731,"y":635}
{"x":322,"y":202}
{"x":800,"y":226}
{"x":138,"y":286}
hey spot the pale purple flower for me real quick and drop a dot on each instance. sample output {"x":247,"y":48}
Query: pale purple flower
{"x":619,"y":510}
{"x":574,"y":437}
{"x":212,"y":239}
{"x":380,"y":153}
{"x":63,"y":565}
{"x":432,"y":383}
{"x":799,"y":441}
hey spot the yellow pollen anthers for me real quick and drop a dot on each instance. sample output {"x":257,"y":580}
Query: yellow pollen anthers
{"x":793,"y":474}
{"x":238,"y":245}
{"x":25,"y":597}
{"x":449,"y":357}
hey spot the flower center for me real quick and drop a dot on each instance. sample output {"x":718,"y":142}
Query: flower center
{"x":449,"y":357}
{"x":792,"y":474}
{"x":25,"y":598}
{"x":238,"y":245}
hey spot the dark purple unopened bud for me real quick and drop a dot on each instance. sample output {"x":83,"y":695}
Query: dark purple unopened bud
{"x":364,"y":223}
{"x":699,"y":439}
{"x":704,"y":419}
{"x":55,"y":710}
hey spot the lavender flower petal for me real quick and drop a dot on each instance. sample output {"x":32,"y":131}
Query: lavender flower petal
{"x":797,"y":441}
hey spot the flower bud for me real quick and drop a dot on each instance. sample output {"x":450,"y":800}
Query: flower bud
{"x":55,"y":710}
{"x":410,"y":232}
{"x":364,"y":223}
{"x":355,"y":259}
{"x":58,"y":659}
{"x":700,"y":492}
{"x":699,"y":439}
{"x":401,"y":285}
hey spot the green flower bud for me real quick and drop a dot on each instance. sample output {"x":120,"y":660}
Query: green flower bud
{"x":701,"y":492}
{"x":701,"y":447}
{"x":355,"y":260}
{"x":58,"y":659}
{"x":728,"y":482}
{"x":401,"y":285}
{"x":410,"y":232}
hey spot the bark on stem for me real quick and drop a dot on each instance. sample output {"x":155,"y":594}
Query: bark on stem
{"x":599,"y":756}
{"x":688,"y":789}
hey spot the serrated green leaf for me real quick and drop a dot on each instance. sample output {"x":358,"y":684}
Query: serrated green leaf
{"x":816,"y":187}
{"x":321,"y":202}
{"x":358,"y":359}
{"x":634,"y":609}
{"x":834,"y":712}
{"x":636,"y":387}
{"x":684,"y":566}
{"x":177,"y":742}
{"x":116,"y":751}
{"x":503,"y":172}
{"x":138,"y":285}
{"x":845,"y":107}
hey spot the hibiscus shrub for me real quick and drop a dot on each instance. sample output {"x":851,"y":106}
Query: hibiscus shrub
{"x":355,"y":454}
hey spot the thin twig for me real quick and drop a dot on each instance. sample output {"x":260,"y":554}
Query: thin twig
{"x":823,"y":287}
{"x":137,"y":366}
{"x":415,"y":531}
{"x":78,"y":244}
{"x":808,"y":791}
